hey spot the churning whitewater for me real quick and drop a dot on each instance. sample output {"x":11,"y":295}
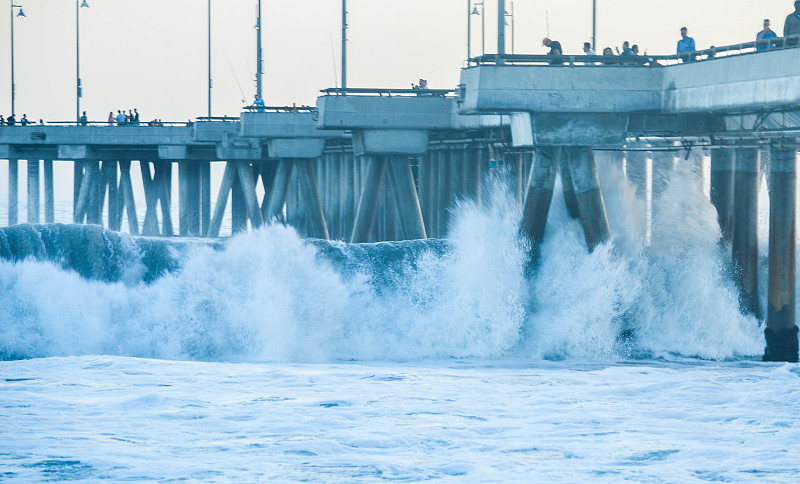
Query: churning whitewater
{"x":271,"y":296}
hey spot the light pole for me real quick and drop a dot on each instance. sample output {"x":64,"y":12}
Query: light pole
{"x":344,"y":46}
{"x":210,"y":83}
{"x":594,"y":25}
{"x":259,"y":56}
{"x":79,"y":90}
{"x":483,"y":24}
{"x":501,"y":31}
{"x":13,"y":86}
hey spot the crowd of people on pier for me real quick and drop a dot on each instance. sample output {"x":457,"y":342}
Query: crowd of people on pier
{"x":687,"y":47}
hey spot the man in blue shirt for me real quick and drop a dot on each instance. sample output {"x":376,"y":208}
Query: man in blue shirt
{"x":765,"y":34}
{"x":686,"y":45}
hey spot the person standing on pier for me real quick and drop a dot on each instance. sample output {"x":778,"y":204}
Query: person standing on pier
{"x":84,"y":119}
{"x":587,"y":48}
{"x":111,"y":118}
{"x":259,"y":104}
{"x":686,"y":45}
{"x":136,"y":116}
{"x":765,"y":34}
{"x":11,"y":120}
{"x":120,"y":118}
{"x":24,"y":121}
{"x":792,"y":25}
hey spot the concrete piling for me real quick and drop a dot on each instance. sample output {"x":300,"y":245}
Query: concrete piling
{"x":275,"y":199}
{"x":33,"y":191}
{"x":238,"y":204}
{"x":126,"y":188}
{"x":723,"y":162}
{"x":368,"y":204}
{"x":782,"y":333}
{"x":588,"y":196}
{"x":636,"y":168}
{"x":540,"y":195}
{"x":248,"y":184}
{"x":406,"y":198}
{"x":745,"y":229}
{"x":13,"y":191}
{"x":314,"y":210}
{"x":565,"y":171}
{"x":49,"y":201}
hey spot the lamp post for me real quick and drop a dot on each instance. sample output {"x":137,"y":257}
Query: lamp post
{"x":594,"y":25}
{"x":210,"y":83}
{"x":13,"y":86}
{"x":344,"y":46}
{"x":79,"y":89}
{"x":483,"y":24}
{"x":501,"y":31}
{"x":259,"y":56}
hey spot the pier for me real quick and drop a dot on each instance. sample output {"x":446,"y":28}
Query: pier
{"x":369,"y":165}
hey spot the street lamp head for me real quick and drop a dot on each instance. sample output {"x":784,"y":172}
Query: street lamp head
{"x":21,"y":13}
{"x":475,"y":10}
{"x":84,"y":4}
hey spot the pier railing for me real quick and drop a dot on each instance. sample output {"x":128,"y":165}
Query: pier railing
{"x":640,"y":60}
{"x":388,"y":92}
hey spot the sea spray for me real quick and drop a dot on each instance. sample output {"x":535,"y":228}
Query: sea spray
{"x":270,"y":296}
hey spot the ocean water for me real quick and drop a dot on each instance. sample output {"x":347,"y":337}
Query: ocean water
{"x":267,"y":358}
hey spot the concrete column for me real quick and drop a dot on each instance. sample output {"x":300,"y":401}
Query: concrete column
{"x":205,"y":196}
{"x":567,"y":186}
{"x":164,"y":178}
{"x":238,"y":205}
{"x":745,"y":229}
{"x":150,"y":226}
{"x":49,"y":202}
{"x":368,"y":204}
{"x":110,"y":179}
{"x":222,"y":200}
{"x":781,"y":332}
{"x":97,"y":192}
{"x":445,"y":191}
{"x":589,"y":197}
{"x":77,"y":181}
{"x":723,"y":162}
{"x":33,"y":191}
{"x":248,"y":185}
{"x":13,"y":192}
{"x":126,"y":188}
{"x":433,"y":194}
{"x":184,"y":194}
{"x":278,"y":193}
{"x":406,"y":198}
{"x":540,"y":195}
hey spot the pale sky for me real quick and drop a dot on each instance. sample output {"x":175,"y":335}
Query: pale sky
{"x":152,"y":54}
